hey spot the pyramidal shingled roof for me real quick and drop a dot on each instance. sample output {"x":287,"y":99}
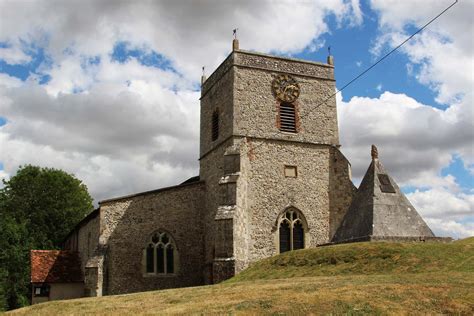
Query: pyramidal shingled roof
{"x":379,"y":210}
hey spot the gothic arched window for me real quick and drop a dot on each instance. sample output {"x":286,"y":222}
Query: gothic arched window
{"x":161,"y":254}
{"x":291,"y":231}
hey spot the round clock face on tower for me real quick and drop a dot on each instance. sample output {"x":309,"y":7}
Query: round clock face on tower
{"x":286,"y":88}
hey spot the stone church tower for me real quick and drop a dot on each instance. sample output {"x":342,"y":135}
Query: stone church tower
{"x":271,"y":179}
{"x":269,"y":155}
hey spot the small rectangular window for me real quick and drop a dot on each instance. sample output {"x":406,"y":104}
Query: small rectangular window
{"x":291,"y":171}
{"x":385,"y":184}
{"x":41,"y":290}
{"x":169,"y":260}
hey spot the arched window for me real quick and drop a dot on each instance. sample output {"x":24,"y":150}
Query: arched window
{"x":287,"y":117}
{"x":161,"y":254}
{"x":215,"y":125}
{"x":291,"y":231}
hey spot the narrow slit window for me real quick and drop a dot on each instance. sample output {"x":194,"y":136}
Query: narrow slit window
{"x":284,"y":237}
{"x":287,"y":117}
{"x":215,"y":126}
{"x":160,"y":259}
{"x":169,"y":259}
{"x":298,"y":236}
{"x":149,"y":258}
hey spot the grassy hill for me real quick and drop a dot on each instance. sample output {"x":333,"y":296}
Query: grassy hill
{"x":376,"y":278}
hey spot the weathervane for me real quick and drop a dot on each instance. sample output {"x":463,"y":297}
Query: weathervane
{"x":203,"y":76}
{"x":330,"y":59}
{"x":235,"y":41}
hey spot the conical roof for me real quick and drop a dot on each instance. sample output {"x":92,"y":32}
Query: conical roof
{"x":380,"y":210}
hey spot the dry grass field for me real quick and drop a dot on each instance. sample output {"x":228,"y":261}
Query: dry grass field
{"x":354,"y":279}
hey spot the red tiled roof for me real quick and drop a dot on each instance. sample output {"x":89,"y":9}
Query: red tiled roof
{"x":55,"y":266}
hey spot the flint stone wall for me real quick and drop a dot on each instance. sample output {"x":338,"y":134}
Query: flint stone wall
{"x":211,"y":171}
{"x":128,"y":224}
{"x":88,"y":240}
{"x":270,"y":193}
{"x":256,"y":109}
{"x":85,"y":240}
{"x":341,"y":190}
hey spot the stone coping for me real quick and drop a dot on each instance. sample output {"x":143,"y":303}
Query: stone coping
{"x":391,"y":239}
{"x":125,"y":197}
{"x":233,"y":60}
{"x":299,"y":60}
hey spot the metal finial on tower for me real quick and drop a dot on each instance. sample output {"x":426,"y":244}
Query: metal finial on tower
{"x":374,"y":152}
{"x":330,"y":58}
{"x":203,"y":76}
{"x":235,"y":41}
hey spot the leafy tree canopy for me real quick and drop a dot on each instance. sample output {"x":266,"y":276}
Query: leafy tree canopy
{"x":38,"y":208}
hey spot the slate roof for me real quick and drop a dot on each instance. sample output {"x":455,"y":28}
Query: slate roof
{"x":379,"y":210}
{"x":55,"y":266}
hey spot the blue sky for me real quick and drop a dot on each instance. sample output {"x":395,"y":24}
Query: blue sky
{"x":350,"y":48}
{"x":102,"y":100}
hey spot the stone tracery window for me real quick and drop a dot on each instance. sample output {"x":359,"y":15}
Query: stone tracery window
{"x":291,"y":231}
{"x":161,"y":254}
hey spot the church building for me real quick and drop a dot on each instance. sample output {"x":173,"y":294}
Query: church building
{"x":272,"y":179}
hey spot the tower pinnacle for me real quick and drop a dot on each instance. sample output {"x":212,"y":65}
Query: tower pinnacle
{"x":374,"y":152}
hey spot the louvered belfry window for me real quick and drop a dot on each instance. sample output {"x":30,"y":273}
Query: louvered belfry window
{"x":215,"y":125}
{"x":287,"y":117}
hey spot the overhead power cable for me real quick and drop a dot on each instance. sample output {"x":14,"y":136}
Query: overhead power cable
{"x":369,"y":68}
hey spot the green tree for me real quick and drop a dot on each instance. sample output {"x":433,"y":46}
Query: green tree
{"x":38,"y":208}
